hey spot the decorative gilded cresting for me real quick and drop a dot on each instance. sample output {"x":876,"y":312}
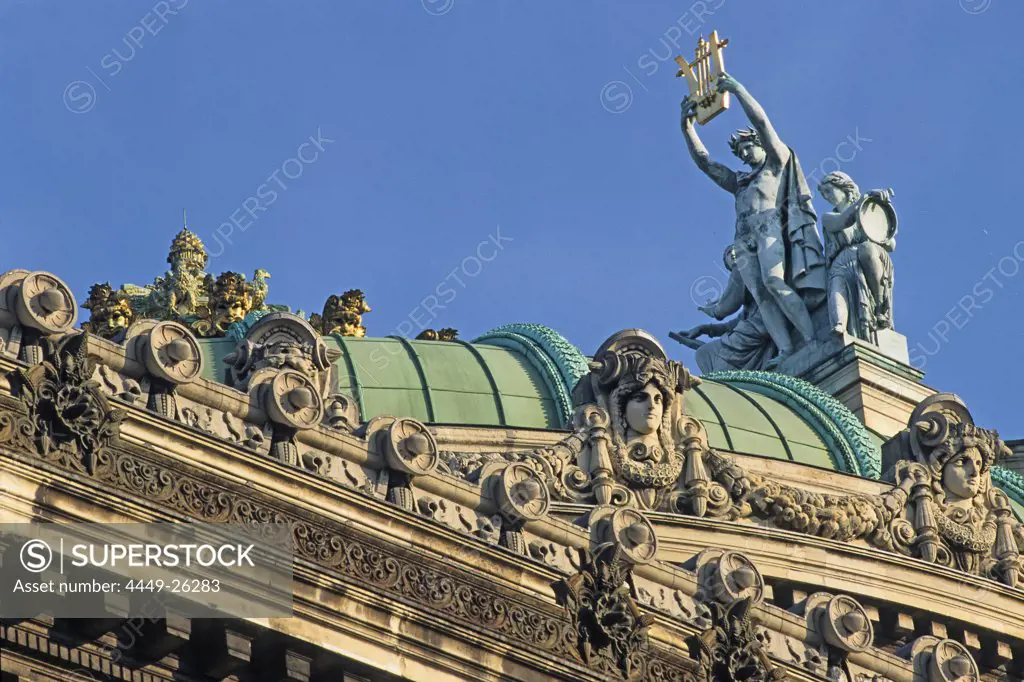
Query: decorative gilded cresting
{"x":442,"y":334}
{"x":186,"y":294}
{"x":342,"y":314}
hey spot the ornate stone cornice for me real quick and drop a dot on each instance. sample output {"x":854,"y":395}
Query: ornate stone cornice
{"x":357,"y":556}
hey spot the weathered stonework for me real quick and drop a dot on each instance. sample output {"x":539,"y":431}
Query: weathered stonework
{"x":463,"y":547}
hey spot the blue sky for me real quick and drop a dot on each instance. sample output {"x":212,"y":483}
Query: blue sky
{"x":438,"y":121}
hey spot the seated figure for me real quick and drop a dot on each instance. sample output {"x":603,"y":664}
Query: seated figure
{"x":740,"y":343}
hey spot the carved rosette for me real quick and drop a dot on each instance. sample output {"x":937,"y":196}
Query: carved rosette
{"x":841,"y":620}
{"x":408,"y":450}
{"x":726,"y":576}
{"x":626,"y":529}
{"x":294,"y":401}
{"x":36,"y":304}
{"x":521,"y":494}
{"x":172,"y":353}
{"x":45,"y":302}
{"x":411,"y":448}
{"x":952,"y":662}
{"x":942,"y":660}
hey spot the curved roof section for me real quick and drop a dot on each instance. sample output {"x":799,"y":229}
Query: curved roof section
{"x":522,"y":376}
{"x":848,"y":440}
{"x":446,"y":382}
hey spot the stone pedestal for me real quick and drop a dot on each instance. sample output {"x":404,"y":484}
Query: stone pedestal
{"x":876,"y":382}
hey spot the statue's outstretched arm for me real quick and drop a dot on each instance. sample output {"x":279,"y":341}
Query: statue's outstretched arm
{"x":773,"y":145}
{"x":723,"y":176}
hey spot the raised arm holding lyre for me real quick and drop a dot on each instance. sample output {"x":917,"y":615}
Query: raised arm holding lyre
{"x":723,"y":176}
{"x":776,"y":152}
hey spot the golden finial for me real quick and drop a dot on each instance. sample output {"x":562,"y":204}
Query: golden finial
{"x":187,"y":248}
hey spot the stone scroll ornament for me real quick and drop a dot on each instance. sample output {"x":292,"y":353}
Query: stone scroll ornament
{"x":293,"y":403}
{"x":408,"y":449}
{"x":941,"y":660}
{"x":34,"y":305}
{"x":840,"y":626}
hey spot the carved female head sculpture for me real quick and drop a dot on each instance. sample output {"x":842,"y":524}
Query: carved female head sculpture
{"x":644,"y":410}
{"x":642,"y":407}
{"x":961,"y":476}
{"x":641,"y":389}
{"x":961,"y":463}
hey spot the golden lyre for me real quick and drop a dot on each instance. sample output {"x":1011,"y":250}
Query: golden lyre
{"x":702,"y":73}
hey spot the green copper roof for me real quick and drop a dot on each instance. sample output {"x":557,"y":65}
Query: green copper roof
{"x":522,"y":376}
{"x":445,"y":382}
{"x":850,"y":443}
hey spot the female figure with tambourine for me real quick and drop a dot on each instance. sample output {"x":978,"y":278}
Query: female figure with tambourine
{"x":860,"y":233}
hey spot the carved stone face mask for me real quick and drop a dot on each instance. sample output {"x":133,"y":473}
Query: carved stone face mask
{"x":961,"y":477}
{"x":644,"y":410}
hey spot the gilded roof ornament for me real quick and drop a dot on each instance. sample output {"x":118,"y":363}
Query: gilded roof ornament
{"x":342,"y":315}
{"x":186,"y":294}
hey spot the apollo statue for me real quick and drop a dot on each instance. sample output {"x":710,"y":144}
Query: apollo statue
{"x":777,"y":253}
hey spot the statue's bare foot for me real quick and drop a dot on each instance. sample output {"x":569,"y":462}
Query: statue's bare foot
{"x":838,"y":330}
